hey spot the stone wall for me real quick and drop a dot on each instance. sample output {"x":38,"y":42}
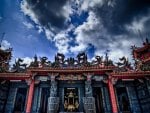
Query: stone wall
{"x":4,"y":89}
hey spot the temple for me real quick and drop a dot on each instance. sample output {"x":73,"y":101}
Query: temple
{"x":75,"y":85}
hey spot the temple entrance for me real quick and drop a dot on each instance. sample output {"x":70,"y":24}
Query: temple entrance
{"x":123,"y":100}
{"x":20,"y":100}
{"x":71,"y":100}
{"x":44,"y":100}
{"x":98,"y":99}
{"x":71,"y":95}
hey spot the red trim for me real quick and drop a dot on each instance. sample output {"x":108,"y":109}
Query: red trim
{"x":112,"y":97}
{"x":131,"y":75}
{"x":30,"y":97}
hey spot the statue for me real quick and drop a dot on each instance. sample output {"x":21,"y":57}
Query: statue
{"x":59,"y":60}
{"x":98,"y":61}
{"x":19,"y":66}
{"x":124,"y":64}
{"x":35,"y":63}
{"x":44,"y":62}
{"x":82,"y":59}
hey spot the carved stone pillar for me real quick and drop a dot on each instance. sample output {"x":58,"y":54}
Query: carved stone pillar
{"x":89,"y":100}
{"x":53,"y":100}
{"x":88,"y":87}
{"x":53,"y":90}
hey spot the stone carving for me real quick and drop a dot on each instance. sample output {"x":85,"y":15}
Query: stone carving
{"x":53,"y":91}
{"x":82,"y":58}
{"x":89,"y":104}
{"x":98,"y":60}
{"x":53,"y":100}
{"x":19,"y":66}
{"x":53,"y":105}
{"x":124,"y":64}
{"x":88,"y":89}
{"x":71,"y":61}
{"x":60,"y":62}
{"x":35,"y":63}
{"x":44,"y":62}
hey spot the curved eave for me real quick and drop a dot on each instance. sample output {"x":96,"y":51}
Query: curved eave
{"x":71,"y":70}
{"x":131,"y":75}
{"x":142,"y":48}
{"x":14,"y":76}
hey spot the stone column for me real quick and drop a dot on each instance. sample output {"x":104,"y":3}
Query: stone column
{"x":112,"y":96}
{"x":30,"y":97}
{"x":88,"y":87}
{"x":53,"y":100}
{"x":89,"y":100}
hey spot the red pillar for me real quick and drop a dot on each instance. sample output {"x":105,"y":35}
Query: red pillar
{"x":112,"y":97}
{"x":30,"y":97}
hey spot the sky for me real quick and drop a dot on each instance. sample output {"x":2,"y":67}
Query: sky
{"x":45,"y":27}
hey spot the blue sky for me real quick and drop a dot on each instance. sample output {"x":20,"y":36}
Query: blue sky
{"x":72,"y":26}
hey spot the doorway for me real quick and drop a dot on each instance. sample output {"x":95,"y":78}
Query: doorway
{"x":20,"y":100}
{"x":123,"y":100}
{"x":98,"y":99}
{"x":44,"y":99}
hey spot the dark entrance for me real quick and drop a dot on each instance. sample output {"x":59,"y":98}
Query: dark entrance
{"x":98,"y":99}
{"x":67,"y":90}
{"x":71,"y":99}
{"x":20,"y":100}
{"x":44,"y":99}
{"x":123,"y":100}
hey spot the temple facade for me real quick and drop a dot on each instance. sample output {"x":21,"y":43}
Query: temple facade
{"x":75,"y":85}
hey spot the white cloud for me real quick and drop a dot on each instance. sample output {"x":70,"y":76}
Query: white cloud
{"x":5,"y":45}
{"x":87,"y":5}
{"x":62,"y":42}
{"x":28,"y":25}
{"x":28,"y":11}
{"x":87,"y":34}
{"x":91,"y":3}
{"x":92,"y":32}
{"x":49,"y":34}
{"x":52,"y":33}
{"x":27,"y":60}
{"x":40,"y":29}
{"x":137,"y":24}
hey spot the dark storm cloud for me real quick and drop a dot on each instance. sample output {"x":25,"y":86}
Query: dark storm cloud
{"x":123,"y":12}
{"x":48,"y":12}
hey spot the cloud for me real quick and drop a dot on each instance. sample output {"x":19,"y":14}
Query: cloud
{"x":93,"y":32}
{"x":122,"y":13}
{"x":47,"y":13}
{"x":110,"y":25}
{"x":62,"y":42}
{"x":28,"y":25}
{"x":27,"y":60}
{"x":50,"y":17}
{"x":138,"y":24}
{"x":5,"y":45}
{"x":26,"y":9}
